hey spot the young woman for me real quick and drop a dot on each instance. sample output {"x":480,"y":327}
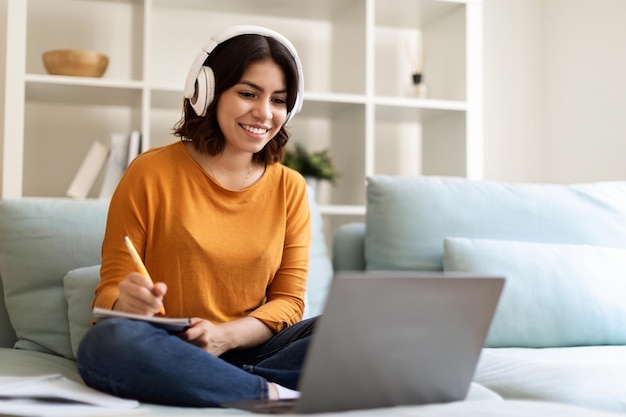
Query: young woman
{"x":223,"y":230}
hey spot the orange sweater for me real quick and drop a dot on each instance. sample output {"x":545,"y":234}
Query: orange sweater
{"x":223,"y":254}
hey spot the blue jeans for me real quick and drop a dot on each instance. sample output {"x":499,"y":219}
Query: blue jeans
{"x":134,"y":359}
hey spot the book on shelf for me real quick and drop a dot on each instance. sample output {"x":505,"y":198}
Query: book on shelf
{"x":169,"y":324}
{"x":134,"y":146}
{"x":89,"y":170}
{"x":116,"y":164}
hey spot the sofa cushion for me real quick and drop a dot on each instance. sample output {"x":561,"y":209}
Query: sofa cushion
{"x":80,"y":286}
{"x":19,"y":362}
{"x":348,"y":247}
{"x":587,"y":376}
{"x":320,"y":267}
{"x":554,"y":295}
{"x":40,"y":240}
{"x":407,"y":218}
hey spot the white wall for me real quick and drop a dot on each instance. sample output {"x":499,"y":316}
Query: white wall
{"x":513,"y":89}
{"x":585,"y":78}
{"x":555,"y":90}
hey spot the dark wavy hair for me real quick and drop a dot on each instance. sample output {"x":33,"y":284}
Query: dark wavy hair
{"x":229,"y":60}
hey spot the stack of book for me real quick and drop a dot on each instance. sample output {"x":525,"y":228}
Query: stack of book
{"x":110,"y":162}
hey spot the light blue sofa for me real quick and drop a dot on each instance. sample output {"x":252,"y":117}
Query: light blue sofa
{"x":49,"y":256}
{"x":559,"y":333}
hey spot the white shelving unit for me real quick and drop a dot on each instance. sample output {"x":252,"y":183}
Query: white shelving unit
{"x":357,"y":82}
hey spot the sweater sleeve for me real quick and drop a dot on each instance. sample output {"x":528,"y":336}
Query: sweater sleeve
{"x":285,"y":294}
{"x":124,"y":219}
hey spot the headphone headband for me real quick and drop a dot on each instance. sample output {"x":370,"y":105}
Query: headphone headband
{"x":203,"y":76}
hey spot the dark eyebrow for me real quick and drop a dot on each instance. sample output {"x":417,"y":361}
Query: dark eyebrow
{"x":259,"y":88}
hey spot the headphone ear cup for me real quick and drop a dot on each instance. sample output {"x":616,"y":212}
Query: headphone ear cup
{"x":204,"y":91}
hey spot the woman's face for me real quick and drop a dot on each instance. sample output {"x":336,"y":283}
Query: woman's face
{"x":251,"y":112}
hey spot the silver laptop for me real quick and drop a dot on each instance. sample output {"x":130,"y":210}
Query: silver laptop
{"x":393,"y":338}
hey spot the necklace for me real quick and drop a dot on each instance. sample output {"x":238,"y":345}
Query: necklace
{"x":243,"y":183}
{"x":247,"y":176}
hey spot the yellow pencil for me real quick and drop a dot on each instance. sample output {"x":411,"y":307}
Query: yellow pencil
{"x":139,"y":264}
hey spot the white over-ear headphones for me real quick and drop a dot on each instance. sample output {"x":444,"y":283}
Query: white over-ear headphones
{"x":203,"y":79}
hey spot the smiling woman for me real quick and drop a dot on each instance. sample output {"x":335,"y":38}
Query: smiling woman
{"x":223,"y":230}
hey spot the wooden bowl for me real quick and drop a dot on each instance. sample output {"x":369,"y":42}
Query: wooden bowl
{"x":75,"y":62}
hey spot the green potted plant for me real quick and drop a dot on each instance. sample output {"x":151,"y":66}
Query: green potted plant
{"x":316,"y":165}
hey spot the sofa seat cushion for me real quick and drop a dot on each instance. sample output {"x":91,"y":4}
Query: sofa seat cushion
{"x":588,"y":376}
{"x":513,"y":408}
{"x":408,"y":218}
{"x":19,"y":362}
{"x":487,"y":409}
{"x":478,"y":408}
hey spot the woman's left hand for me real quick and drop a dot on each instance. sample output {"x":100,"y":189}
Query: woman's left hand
{"x":208,"y":336}
{"x":220,"y":338}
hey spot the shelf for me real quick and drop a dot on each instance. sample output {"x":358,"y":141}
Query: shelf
{"x":301,"y":9}
{"x":330,"y":105}
{"x":334,"y":98}
{"x":420,"y":103}
{"x":391,"y":109}
{"x":342,"y":210}
{"x":82,"y":81}
{"x":81,"y":90}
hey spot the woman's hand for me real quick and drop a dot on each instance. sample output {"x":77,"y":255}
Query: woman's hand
{"x":139,"y":296}
{"x":220,"y":338}
{"x":208,"y":336}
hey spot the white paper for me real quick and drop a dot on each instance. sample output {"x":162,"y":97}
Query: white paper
{"x":40,"y":408}
{"x":57,"y":387}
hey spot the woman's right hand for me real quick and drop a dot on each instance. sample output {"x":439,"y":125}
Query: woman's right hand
{"x":138,"y":295}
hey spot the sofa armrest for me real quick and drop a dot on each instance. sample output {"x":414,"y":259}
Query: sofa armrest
{"x":349,"y":247}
